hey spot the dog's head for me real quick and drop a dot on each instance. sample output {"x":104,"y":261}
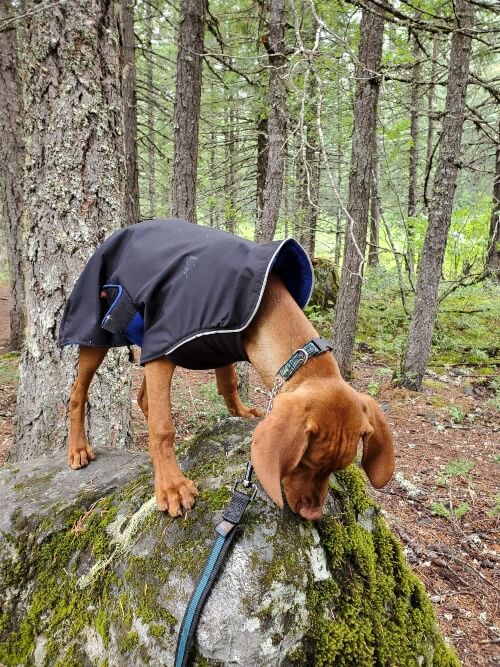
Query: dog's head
{"x":313,"y":431}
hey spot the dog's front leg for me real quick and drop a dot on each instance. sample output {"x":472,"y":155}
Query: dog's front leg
{"x":227,"y":387}
{"x":174,"y":492}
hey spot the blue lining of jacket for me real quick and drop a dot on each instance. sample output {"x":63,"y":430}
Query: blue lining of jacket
{"x":134,"y":331}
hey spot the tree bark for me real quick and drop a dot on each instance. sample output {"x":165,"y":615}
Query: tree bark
{"x":430,"y":113}
{"x":187,"y":108}
{"x":413,"y":154}
{"x":77,"y":193}
{"x":11,"y":172}
{"x":262,"y":162}
{"x":365,"y":117}
{"x":425,"y":309}
{"x":374,"y":208}
{"x":150,"y":115}
{"x":230,"y":140}
{"x":493,"y":252}
{"x":275,"y":44}
{"x":129,"y":95}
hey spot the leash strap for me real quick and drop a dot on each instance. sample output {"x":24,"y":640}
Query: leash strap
{"x":311,"y":349}
{"x":226,"y":531}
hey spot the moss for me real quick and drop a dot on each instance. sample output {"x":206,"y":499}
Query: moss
{"x":57,"y":606}
{"x":102,"y":622}
{"x":373,"y":611}
{"x":128,"y":642}
{"x":215,"y":499}
{"x":157,"y":631}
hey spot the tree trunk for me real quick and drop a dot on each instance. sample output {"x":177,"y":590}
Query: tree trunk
{"x":262,"y":162}
{"x":77,"y":194}
{"x":493,"y":253}
{"x":424,"y":313}
{"x":187,"y":108}
{"x":150,"y":115}
{"x":230,"y":140}
{"x":413,"y":161}
{"x":430,"y":113}
{"x":275,"y":45}
{"x":129,"y":95}
{"x":374,"y":208}
{"x":363,"y":141}
{"x":11,"y":172}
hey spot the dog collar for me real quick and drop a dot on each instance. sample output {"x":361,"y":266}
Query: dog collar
{"x":300,"y":357}
{"x":311,"y":349}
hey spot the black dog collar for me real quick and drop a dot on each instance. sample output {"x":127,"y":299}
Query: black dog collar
{"x":311,"y":349}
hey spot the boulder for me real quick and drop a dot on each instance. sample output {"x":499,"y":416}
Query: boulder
{"x":326,"y":283}
{"x":92,"y":574}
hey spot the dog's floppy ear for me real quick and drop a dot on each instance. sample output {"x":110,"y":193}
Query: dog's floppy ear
{"x":278,"y":444}
{"x":378,"y":451}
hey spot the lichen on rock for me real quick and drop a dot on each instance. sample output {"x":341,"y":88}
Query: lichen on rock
{"x":91,"y":574}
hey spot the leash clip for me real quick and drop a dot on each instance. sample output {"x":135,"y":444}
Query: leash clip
{"x":246,"y":482}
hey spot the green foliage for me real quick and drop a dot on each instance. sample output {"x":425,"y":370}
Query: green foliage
{"x":495,"y":509}
{"x":459,"y":468}
{"x":455,"y":512}
{"x":9,"y":367}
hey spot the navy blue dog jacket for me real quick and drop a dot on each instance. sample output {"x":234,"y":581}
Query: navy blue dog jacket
{"x":179,"y":290}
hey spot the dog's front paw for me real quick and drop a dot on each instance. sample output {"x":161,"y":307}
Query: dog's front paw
{"x":80,"y":456}
{"x":176,"y":497}
{"x":241,"y":410}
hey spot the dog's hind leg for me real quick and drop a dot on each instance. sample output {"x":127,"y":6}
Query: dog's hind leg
{"x":227,"y":387}
{"x":79,"y":450}
{"x":142,"y":398}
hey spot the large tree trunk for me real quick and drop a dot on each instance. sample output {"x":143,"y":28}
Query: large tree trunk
{"x":275,"y":44}
{"x":187,"y":108}
{"x":11,"y":171}
{"x":77,"y":194}
{"x":493,"y":252}
{"x":363,"y":142}
{"x":431,"y":262}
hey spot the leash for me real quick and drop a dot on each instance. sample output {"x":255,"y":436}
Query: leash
{"x":226,"y":530}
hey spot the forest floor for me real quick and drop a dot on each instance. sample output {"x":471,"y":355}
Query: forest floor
{"x":443,"y":502}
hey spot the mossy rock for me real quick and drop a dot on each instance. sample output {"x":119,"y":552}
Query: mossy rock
{"x":92,"y":574}
{"x":326,"y":283}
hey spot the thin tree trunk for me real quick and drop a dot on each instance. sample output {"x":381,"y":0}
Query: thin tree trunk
{"x":77,"y":193}
{"x":11,"y":172}
{"x":277,"y":122}
{"x":363,"y":142}
{"x":338,"y":230}
{"x":230,"y":171}
{"x":129,"y":96}
{"x":187,"y":108}
{"x":374,"y":208}
{"x":430,"y":111}
{"x":413,"y":155}
{"x":262,"y":162}
{"x":150,"y":115}
{"x":431,"y":262}
{"x":493,"y":253}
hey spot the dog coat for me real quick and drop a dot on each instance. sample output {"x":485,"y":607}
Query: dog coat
{"x":179,"y":290}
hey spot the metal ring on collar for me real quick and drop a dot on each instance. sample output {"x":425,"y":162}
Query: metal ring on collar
{"x":304,"y":352}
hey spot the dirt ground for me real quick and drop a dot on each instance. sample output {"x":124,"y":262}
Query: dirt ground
{"x":443,"y":502}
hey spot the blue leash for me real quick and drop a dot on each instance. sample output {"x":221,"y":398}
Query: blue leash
{"x":226,"y":532}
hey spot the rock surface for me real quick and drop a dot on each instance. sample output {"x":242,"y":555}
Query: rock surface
{"x":92,"y":574}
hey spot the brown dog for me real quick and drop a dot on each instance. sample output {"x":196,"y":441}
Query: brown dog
{"x":314,"y":427}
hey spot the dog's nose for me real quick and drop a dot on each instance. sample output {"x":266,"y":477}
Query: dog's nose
{"x":311,"y":513}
